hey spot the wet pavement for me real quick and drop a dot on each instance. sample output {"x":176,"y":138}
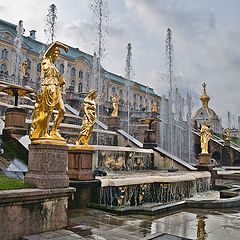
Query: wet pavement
{"x":188,"y":223}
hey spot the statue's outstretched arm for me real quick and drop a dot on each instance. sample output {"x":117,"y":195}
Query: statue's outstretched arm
{"x":53,"y":47}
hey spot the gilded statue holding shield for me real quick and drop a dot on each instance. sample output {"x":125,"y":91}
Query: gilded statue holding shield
{"x":50,"y":97}
{"x":89,"y":118}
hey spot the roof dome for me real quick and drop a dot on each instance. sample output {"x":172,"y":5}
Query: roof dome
{"x":205,"y":112}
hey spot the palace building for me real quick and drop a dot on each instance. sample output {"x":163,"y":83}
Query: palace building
{"x":78,"y":68}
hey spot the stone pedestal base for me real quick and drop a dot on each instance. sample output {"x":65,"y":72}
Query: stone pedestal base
{"x":150,"y":139}
{"x":86,"y":192}
{"x":80,"y":163}
{"x":47,"y":165}
{"x":114,"y":123}
{"x":226,"y":154}
{"x":204,"y":162}
{"x":15,"y":120}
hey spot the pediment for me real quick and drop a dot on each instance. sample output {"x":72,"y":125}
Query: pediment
{"x":136,"y":86}
{"x":7,"y":35}
{"x":10,"y":36}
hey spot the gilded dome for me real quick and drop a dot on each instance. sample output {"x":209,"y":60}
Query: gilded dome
{"x":205,"y":113}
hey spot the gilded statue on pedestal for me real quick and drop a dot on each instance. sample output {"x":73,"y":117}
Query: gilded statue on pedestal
{"x":205,"y":136}
{"x":89,"y":118}
{"x":50,"y":97}
{"x":115,"y":102}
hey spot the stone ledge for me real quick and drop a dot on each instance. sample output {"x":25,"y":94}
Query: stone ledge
{"x":28,"y":195}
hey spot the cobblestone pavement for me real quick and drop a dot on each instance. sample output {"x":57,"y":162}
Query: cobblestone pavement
{"x":187,"y":224}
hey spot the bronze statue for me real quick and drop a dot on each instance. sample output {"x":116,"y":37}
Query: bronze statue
{"x":89,"y":118}
{"x":115,"y":102}
{"x":50,"y":97}
{"x":205,"y":136}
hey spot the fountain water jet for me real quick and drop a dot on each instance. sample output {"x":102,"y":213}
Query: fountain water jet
{"x":18,"y":45}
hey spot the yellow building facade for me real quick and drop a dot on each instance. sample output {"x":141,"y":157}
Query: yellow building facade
{"x":78,"y":68}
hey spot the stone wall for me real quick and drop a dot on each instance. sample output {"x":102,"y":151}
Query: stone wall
{"x":30,"y":211}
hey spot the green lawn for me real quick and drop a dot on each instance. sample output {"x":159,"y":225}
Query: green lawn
{"x":7,"y":183}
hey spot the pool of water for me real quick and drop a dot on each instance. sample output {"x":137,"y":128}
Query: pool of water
{"x":188,"y":223}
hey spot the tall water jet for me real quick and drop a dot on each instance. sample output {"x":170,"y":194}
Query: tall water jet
{"x":189,"y":124}
{"x":170,"y":75}
{"x":178,"y":123}
{"x":50,"y":23}
{"x":100,"y":15}
{"x":128,"y":74}
{"x":18,"y":45}
{"x":164,"y":123}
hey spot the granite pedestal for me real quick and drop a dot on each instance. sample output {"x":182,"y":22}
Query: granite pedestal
{"x":80,"y":163}
{"x":204,"y":162}
{"x":47,"y":165}
{"x":15,"y":120}
{"x":150,"y":138}
{"x":114,"y":123}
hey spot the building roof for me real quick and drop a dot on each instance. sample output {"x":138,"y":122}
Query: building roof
{"x":205,"y":111}
{"x":73,"y":54}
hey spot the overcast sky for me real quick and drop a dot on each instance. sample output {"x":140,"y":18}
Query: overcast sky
{"x":206,"y":40}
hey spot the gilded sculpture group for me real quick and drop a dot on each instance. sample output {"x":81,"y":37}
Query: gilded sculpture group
{"x":50,"y":98}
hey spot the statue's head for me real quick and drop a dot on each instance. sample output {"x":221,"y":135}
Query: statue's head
{"x":92,"y":94}
{"x":55,"y":54}
{"x":45,"y":64}
{"x":53,"y":51}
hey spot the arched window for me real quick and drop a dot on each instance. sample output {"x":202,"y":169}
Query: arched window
{"x":113,"y":90}
{"x":134,"y":105}
{"x":80,"y":87}
{"x":73,"y":83}
{"x":80,"y":74}
{"x":29,"y":64}
{"x":141,"y":98}
{"x":4,"y":53}
{"x":61,"y":68}
{"x":3,"y":67}
{"x":73,"y":71}
{"x":39,"y":67}
{"x":121,"y":92}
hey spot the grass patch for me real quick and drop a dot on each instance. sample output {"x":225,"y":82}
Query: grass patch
{"x":7,"y":183}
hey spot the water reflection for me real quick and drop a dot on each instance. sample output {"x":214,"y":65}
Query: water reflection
{"x":201,"y":232}
{"x":197,"y":224}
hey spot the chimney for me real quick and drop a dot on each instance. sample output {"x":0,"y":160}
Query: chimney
{"x":32,"y":34}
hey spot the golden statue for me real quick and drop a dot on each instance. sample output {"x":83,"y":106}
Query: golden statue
{"x":154,"y":107}
{"x":89,"y":118}
{"x":23,"y":67}
{"x":227,"y":133}
{"x":205,"y":136}
{"x":115,"y":102}
{"x":50,"y":97}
